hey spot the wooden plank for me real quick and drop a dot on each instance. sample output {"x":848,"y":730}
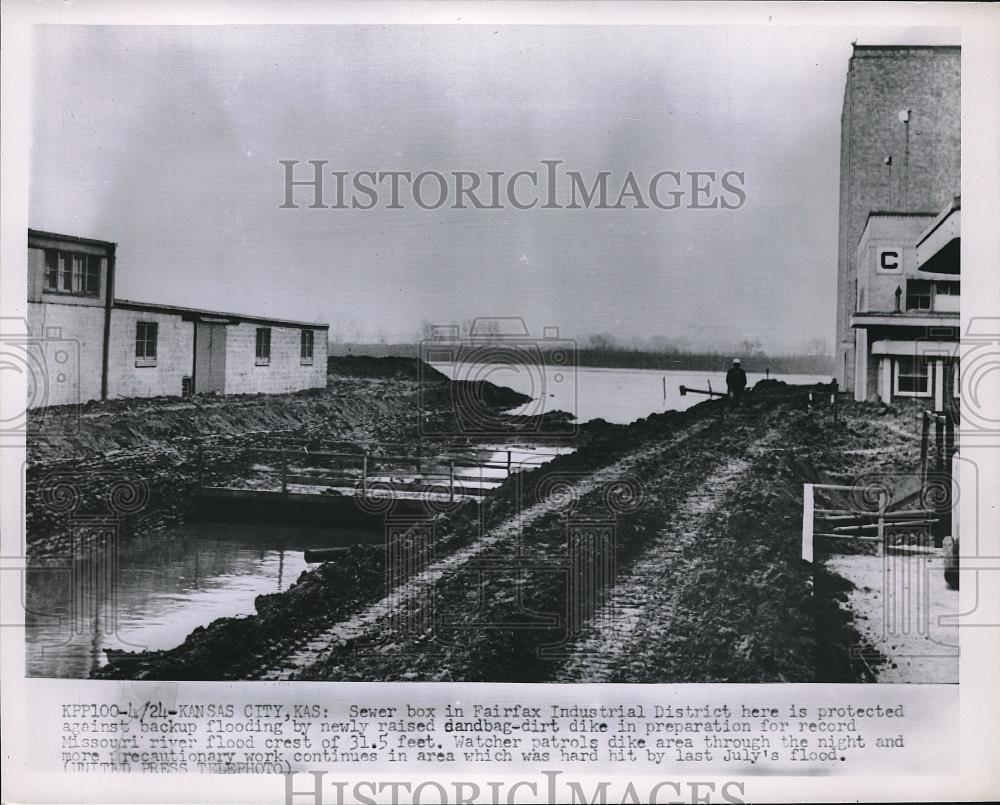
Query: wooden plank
{"x":443,"y":458}
{"x":849,"y":536}
{"x":381,"y":488}
{"x":835,"y":487}
{"x":346,"y":492}
{"x":807,"y":522}
{"x":844,"y":514}
{"x":889,"y":524}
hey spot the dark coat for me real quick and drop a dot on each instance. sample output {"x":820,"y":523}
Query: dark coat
{"x":736,"y":379}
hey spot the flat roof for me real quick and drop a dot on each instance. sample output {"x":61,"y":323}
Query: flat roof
{"x":38,"y":233}
{"x":195,"y":313}
{"x":152,"y":307}
{"x":944,"y":48}
{"x":905,"y":318}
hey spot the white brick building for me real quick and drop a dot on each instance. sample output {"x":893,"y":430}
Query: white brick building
{"x":92,"y":346}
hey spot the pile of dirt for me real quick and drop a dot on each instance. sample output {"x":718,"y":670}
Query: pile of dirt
{"x":95,"y":430}
{"x":392,"y":366}
{"x":743,"y":613}
{"x":145,"y":454}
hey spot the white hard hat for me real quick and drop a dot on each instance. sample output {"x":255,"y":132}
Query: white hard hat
{"x":736,"y":360}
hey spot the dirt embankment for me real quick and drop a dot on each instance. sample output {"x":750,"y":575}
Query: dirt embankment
{"x":136,"y":460}
{"x":666,"y":550}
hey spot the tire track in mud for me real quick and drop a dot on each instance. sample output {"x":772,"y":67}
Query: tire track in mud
{"x":646,"y":594}
{"x":373,"y":620}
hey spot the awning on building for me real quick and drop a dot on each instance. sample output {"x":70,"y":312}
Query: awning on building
{"x":909,"y":319}
{"x":939,"y":247}
{"x":926,"y":349}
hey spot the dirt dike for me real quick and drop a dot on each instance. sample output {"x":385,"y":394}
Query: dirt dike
{"x":391,"y":366}
{"x":366,"y":395}
{"x":743,"y":607}
{"x":134,"y":462}
{"x":749,"y":584}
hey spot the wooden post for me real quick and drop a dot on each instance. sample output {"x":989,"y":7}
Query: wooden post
{"x":925,"y":432}
{"x":939,"y":442}
{"x":284,"y":473}
{"x":807,"y":522}
{"x":508,"y":463}
{"x":364,"y":474}
{"x":882,"y":504}
{"x":451,"y":481}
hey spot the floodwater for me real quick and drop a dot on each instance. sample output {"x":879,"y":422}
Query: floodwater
{"x":165,"y":585}
{"x":619,"y":396}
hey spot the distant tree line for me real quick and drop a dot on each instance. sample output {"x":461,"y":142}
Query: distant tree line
{"x":703,"y":360}
{"x":614,"y":356}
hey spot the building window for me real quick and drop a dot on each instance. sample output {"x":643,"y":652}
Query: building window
{"x":911,"y":377}
{"x":937,"y":296}
{"x":263,"y":346}
{"x":51,"y":270}
{"x":306,"y":348}
{"x":947,"y":297}
{"x":78,"y":274}
{"x":145,"y":343}
{"x":918,"y":294}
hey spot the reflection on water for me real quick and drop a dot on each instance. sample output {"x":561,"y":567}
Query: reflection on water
{"x":162,"y":588}
{"x":488,"y":466}
{"x":615,"y":395}
{"x":165,"y":585}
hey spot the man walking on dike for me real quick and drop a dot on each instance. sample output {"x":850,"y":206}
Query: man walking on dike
{"x":736,"y":383}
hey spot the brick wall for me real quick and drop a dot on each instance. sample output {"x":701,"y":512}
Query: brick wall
{"x":880,"y":83}
{"x":174,"y":355}
{"x":285,"y":372}
{"x":68,"y":344}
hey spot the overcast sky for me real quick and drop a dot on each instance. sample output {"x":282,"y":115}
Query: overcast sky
{"x":167,"y":140}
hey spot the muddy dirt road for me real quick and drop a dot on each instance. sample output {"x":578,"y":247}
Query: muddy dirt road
{"x":665,"y":550}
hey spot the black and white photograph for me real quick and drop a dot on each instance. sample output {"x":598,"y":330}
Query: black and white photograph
{"x":539,"y":355}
